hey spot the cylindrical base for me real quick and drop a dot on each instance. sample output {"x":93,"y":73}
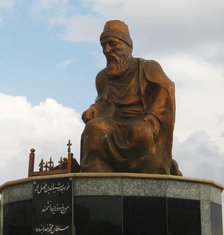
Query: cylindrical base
{"x":111,"y":204}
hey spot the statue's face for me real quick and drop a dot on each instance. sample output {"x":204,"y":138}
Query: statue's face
{"x":118,"y":56}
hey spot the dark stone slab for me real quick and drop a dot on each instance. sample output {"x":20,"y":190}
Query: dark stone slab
{"x":98,"y":215}
{"x":216,"y":219}
{"x":136,"y":215}
{"x":144,"y":215}
{"x":52,"y":207}
{"x":183,"y":217}
{"x":17,"y":218}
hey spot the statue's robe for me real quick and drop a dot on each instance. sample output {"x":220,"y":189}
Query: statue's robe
{"x":118,"y":139}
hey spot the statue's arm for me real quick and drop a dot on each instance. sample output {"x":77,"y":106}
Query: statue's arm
{"x":94,"y":110}
{"x":162,"y":106}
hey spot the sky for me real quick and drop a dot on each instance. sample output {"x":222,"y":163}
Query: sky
{"x":50,"y":54}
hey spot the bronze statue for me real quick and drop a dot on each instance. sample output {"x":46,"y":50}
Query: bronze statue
{"x":129,"y":128}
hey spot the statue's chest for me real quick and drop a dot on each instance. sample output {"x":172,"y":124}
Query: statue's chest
{"x":124,"y":92}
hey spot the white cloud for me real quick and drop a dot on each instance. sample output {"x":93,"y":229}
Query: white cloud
{"x":42,"y":5}
{"x":45,"y":127}
{"x":199,"y":156}
{"x":43,"y":9}
{"x":6,"y":4}
{"x":75,"y":25}
{"x":157,"y":27}
{"x":105,"y":8}
{"x":78,"y":27}
{"x":176,"y":26}
{"x":199,"y":95}
{"x":65,"y":64}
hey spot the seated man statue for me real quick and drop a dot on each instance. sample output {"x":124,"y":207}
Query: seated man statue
{"x":129,"y":128}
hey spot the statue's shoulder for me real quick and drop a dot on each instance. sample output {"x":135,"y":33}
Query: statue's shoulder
{"x":154,"y":71}
{"x":149,"y":64}
{"x":101,"y":80}
{"x":101,"y":74}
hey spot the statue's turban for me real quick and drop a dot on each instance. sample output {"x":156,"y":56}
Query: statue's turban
{"x":117,"y":29}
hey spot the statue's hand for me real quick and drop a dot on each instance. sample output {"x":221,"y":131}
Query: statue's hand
{"x":155,"y":123}
{"x":89,"y":114}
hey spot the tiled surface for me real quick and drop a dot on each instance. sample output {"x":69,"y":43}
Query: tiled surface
{"x":215,"y":195}
{"x":138,"y":187}
{"x":97,"y":186}
{"x":142,"y":187}
{"x":18,"y":192}
{"x":183,"y":190}
{"x":205,"y":217}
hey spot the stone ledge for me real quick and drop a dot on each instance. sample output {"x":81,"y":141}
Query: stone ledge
{"x":116,"y":175}
{"x":122,"y":184}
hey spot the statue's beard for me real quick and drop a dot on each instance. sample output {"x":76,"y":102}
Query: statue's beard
{"x":118,"y":65}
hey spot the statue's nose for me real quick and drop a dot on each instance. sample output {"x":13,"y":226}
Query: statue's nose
{"x":107,"y":48}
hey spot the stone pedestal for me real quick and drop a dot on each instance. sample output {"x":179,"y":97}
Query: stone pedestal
{"x":111,"y":204}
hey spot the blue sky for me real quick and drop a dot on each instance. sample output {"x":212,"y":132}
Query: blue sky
{"x":38,"y":63}
{"x":50,"y":54}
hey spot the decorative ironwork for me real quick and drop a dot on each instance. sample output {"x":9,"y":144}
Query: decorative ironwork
{"x":50,"y":164}
{"x":46,"y":166}
{"x":65,"y":164}
{"x":69,"y":144}
{"x":60,"y":163}
{"x":41,"y":165}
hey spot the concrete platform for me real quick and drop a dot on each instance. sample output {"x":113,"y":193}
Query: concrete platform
{"x":121,"y":203}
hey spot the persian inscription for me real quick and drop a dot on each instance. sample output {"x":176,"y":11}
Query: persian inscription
{"x":54,"y":187}
{"x":52,"y":206}
{"x":55,"y":208}
{"x":50,"y":228}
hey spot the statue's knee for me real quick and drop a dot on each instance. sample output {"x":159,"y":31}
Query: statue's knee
{"x":98,"y":125}
{"x":143,"y":133}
